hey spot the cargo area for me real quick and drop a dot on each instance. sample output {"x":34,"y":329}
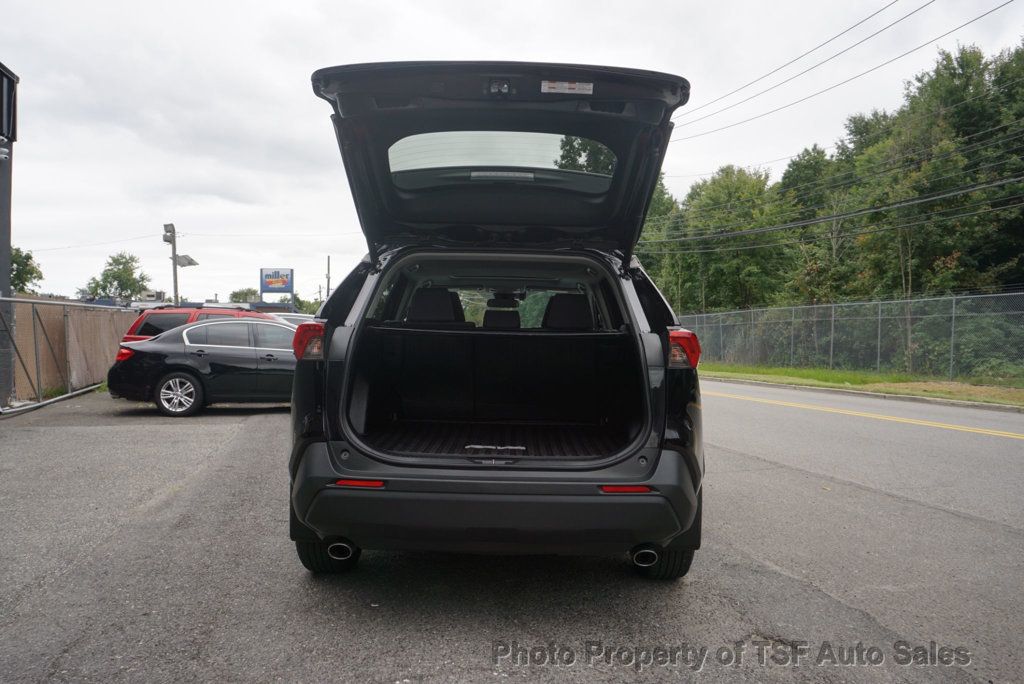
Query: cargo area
{"x":496,"y":358}
{"x":495,"y":394}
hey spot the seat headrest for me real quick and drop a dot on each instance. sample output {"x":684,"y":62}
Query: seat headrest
{"x":501,"y":318}
{"x":568,"y":312}
{"x":433,"y":304}
{"x":460,"y":313}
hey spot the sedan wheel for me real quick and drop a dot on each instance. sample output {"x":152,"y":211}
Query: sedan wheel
{"x":179,"y":394}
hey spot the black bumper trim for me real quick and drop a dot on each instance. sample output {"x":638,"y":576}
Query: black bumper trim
{"x":497,"y":513}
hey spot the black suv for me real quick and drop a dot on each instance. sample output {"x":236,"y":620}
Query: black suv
{"x":499,"y":374}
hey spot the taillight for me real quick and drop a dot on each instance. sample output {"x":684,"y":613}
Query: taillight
{"x":123,"y":354}
{"x":365,"y":484}
{"x":683,"y":349}
{"x":308,"y":342}
{"x":625,"y":489}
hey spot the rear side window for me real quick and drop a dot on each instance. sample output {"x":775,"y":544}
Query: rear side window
{"x":658,"y":314}
{"x":196,"y":335}
{"x":273,"y":336}
{"x":228,"y":334}
{"x":209,"y":316}
{"x":154,"y":324}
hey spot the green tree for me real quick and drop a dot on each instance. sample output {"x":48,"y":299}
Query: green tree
{"x":307,"y":306}
{"x":245,"y":294}
{"x":121,"y":279}
{"x":581,"y":154}
{"x":25,"y":271}
{"x":725,"y":273}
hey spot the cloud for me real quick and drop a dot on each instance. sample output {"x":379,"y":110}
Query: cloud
{"x":201,"y":113}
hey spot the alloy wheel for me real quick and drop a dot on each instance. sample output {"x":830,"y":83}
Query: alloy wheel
{"x":177,"y":395}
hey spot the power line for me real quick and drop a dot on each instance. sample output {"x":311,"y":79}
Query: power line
{"x":193,"y":233}
{"x":850,"y":214}
{"x":94,"y":244}
{"x":808,"y":69}
{"x":760,"y":163}
{"x":795,"y":59}
{"x":878,"y":134}
{"x":844,"y":82}
{"x":816,"y":238}
{"x":856,"y":179}
{"x":708,"y":235}
{"x":708,"y":231}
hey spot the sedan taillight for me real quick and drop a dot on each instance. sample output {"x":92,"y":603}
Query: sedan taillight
{"x":124,"y":353}
{"x":308,"y":342}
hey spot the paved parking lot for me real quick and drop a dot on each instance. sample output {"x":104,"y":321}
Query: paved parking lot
{"x":141,"y":548}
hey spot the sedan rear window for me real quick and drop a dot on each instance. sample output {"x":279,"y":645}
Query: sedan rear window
{"x":154,"y":324}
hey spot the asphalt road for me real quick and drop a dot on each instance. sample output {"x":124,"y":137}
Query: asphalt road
{"x":140,"y":548}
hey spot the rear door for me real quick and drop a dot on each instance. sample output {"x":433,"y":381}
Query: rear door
{"x":275,"y":359}
{"x":225,"y":355}
{"x":502,"y":153}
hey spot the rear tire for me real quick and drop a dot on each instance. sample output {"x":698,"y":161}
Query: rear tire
{"x":671,"y":565}
{"x":315,"y":558}
{"x":178,"y":395}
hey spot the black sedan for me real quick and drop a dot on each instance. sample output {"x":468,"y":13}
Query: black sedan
{"x":186,"y":368}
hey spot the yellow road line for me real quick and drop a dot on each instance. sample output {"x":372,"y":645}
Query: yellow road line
{"x":876,"y":416}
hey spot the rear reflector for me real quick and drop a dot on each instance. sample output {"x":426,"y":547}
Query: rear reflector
{"x":308,"y":342}
{"x":683,"y":349}
{"x":625,"y":489}
{"x":124,"y":353}
{"x":369,"y":484}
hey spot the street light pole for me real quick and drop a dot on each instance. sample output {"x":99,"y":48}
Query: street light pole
{"x":171,"y":237}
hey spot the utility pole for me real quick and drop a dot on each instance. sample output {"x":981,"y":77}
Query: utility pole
{"x":8,"y":134}
{"x":328,"y":275}
{"x":171,"y":237}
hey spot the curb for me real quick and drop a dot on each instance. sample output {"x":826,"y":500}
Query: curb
{"x":22,"y":410}
{"x":1006,"y":408}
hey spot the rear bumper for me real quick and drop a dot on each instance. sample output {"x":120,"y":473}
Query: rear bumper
{"x":481,"y":512}
{"x":121,"y":385}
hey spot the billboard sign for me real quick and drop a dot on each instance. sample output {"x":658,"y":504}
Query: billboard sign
{"x":277,"y":280}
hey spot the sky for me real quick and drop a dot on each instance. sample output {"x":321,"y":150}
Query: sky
{"x":134,"y":114}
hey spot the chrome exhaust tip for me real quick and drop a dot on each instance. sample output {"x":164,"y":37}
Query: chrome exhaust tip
{"x":340,"y":551}
{"x":645,"y":557}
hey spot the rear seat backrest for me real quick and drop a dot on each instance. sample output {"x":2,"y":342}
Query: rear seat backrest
{"x":435,"y":307}
{"x":501,"y":319}
{"x":431,"y":304}
{"x":568,"y":312}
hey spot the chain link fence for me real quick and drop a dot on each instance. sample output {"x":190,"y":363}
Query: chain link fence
{"x":52,"y":348}
{"x":974,"y":336}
